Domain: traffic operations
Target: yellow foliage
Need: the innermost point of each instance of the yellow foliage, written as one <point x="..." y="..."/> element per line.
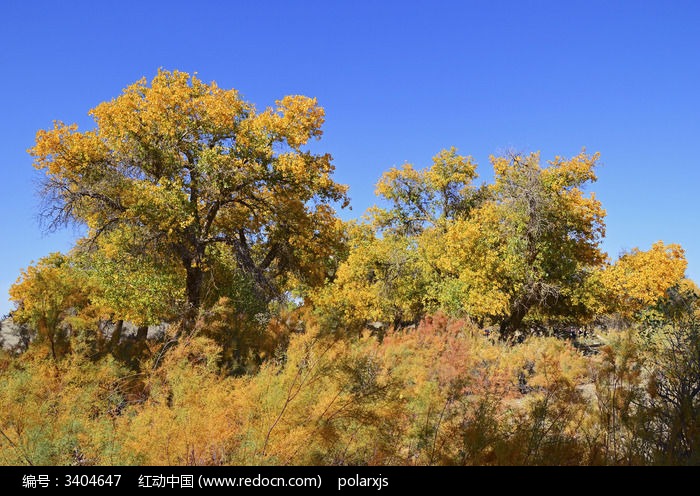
<point x="190" y="417"/>
<point x="381" y="280"/>
<point x="179" y="166"/>
<point x="640" y="278"/>
<point x="58" y="413"/>
<point x="440" y="393"/>
<point x="203" y="209"/>
<point x="55" y="298"/>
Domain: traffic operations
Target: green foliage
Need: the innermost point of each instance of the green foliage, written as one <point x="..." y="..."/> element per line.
<point x="139" y="288"/>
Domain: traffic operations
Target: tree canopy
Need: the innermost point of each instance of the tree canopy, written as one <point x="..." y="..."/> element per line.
<point x="182" y="171"/>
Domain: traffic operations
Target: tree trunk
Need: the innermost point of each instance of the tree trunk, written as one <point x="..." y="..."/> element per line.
<point x="194" y="286"/>
<point x="142" y="334"/>
<point x="45" y="329"/>
<point x="141" y="340"/>
<point x="193" y="283"/>
<point x="116" y="335"/>
<point x="514" y="321"/>
<point x="263" y="287"/>
<point x="53" y="347"/>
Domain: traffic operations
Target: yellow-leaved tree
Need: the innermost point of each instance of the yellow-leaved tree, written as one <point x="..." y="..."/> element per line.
<point x="639" y="279"/>
<point x="182" y="170"/>
<point x="390" y="269"/>
<point x="525" y="245"/>
<point x="531" y="245"/>
<point x="53" y="296"/>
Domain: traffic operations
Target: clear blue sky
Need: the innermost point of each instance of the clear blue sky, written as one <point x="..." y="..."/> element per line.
<point x="399" y="81"/>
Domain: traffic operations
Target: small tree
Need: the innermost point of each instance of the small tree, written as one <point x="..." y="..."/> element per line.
<point x="47" y="295"/>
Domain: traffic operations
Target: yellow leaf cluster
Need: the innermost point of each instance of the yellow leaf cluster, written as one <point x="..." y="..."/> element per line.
<point x="640" y="278"/>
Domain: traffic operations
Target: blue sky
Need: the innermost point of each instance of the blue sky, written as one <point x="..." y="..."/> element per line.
<point x="399" y="81"/>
